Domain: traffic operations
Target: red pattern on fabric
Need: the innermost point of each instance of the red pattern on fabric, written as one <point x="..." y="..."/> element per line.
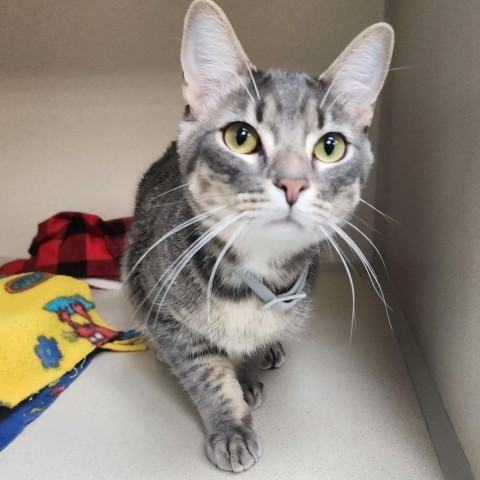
<point x="76" y="244"/>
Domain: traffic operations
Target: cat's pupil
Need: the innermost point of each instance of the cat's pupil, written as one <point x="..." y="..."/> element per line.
<point x="242" y="136"/>
<point x="329" y="145"/>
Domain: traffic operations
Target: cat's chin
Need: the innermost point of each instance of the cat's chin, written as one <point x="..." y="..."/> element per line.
<point x="284" y="229"/>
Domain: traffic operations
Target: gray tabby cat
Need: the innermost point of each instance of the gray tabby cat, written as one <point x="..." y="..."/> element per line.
<point x="224" y="241"/>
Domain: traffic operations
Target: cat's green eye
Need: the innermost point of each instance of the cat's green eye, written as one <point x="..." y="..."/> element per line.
<point x="330" y="148"/>
<point x="241" y="138"/>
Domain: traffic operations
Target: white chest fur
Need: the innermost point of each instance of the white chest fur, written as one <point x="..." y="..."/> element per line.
<point x="241" y="327"/>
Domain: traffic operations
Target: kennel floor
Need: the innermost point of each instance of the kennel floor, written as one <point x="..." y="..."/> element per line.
<point x="334" y="411"/>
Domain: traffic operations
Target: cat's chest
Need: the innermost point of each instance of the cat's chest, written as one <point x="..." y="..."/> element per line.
<point x="240" y="327"/>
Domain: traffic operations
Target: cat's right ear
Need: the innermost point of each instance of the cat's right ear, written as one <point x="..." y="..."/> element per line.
<point x="213" y="60"/>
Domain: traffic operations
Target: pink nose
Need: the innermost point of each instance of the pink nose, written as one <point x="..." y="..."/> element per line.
<point x="292" y="188"/>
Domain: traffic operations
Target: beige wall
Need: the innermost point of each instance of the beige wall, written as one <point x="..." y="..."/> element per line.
<point x="433" y="190"/>
<point x="90" y="92"/>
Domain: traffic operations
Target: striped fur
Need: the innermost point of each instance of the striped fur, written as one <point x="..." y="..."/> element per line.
<point x="215" y="347"/>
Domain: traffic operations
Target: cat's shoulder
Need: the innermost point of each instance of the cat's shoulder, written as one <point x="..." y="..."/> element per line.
<point x="164" y="172"/>
<point x="166" y="163"/>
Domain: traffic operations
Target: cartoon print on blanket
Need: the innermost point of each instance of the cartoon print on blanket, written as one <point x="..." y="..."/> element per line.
<point x="66" y="307"/>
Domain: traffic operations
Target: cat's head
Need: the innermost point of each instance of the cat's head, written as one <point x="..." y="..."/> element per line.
<point x="288" y="149"/>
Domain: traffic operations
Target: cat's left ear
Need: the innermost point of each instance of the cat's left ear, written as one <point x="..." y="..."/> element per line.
<point x="213" y="61"/>
<point x="356" y="77"/>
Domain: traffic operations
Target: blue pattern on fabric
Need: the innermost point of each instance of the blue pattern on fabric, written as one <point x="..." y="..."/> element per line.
<point x="129" y="334"/>
<point x="13" y="421"/>
<point x="65" y="303"/>
<point x="47" y="351"/>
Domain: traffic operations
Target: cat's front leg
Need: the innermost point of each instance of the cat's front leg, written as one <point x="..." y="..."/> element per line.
<point x="212" y="383"/>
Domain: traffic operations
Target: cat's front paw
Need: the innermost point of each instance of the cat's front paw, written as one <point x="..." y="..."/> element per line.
<point x="274" y="357"/>
<point x="235" y="448"/>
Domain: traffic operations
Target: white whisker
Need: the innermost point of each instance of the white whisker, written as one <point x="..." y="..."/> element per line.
<point x="335" y="100"/>
<point x="172" y="268"/>
<point x="366" y="224"/>
<point x="350" y="264"/>
<point x="317" y="244"/>
<point x="171" y="190"/>
<point x="222" y="253"/>
<point x="384" y="215"/>
<point x="246" y="89"/>
<point x="368" y="268"/>
<point x="330" y="252"/>
<point x="253" y="79"/>
<point x="408" y="67"/>
<point x="372" y="244"/>
<point x="356" y="250"/>
<point x="171" y="232"/>
<point x="352" y="287"/>
<point x="188" y="256"/>
<point x="207" y="195"/>
<point x="329" y="88"/>
<point x="167" y="271"/>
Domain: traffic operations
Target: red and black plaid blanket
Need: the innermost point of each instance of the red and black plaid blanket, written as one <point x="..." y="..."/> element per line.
<point x="76" y="244"/>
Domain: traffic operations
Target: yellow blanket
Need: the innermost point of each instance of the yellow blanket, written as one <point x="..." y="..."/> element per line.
<point x="48" y="323"/>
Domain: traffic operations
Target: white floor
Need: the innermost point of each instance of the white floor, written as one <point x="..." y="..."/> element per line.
<point x="330" y="413"/>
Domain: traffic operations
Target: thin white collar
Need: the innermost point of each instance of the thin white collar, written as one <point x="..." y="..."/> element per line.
<point x="278" y="303"/>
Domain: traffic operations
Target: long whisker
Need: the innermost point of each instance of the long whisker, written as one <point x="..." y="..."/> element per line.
<point x="174" y="265"/>
<point x="246" y="88"/>
<point x="330" y="252"/>
<point x="171" y="232"/>
<point x="360" y="219"/>
<point x="317" y="245"/>
<point x="335" y="100"/>
<point x="368" y="268"/>
<point x="318" y="242"/>
<point x="207" y="195"/>
<point x="384" y="215"/>
<point x="350" y="264"/>
<point x="357" y="217"/>
<point x="222" y="253"/>
<point x="253" y="80"/>
<point x="356" y="249"/>
<point x="171" y="190"/>
<point x="172" y="268"/>
<point x="192" y="251"/>
<point x="371" y="243"/>
<point x="157" y="283"/>
<point x="329" y="88"/>
<point x="408" y="67"/>
<point x="352" y="287"/>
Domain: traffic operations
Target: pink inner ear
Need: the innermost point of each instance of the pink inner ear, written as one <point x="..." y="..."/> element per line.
<point x="364" y="115"/>
<point x="191" y="94"/>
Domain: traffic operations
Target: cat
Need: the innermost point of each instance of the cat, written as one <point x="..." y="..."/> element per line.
<point x="223" y="247"/>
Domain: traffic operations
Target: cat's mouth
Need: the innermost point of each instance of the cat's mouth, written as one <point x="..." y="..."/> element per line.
<point x="286" y="227"/>
<point x="284" y="224"/>
<point x="286" y="221"/>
